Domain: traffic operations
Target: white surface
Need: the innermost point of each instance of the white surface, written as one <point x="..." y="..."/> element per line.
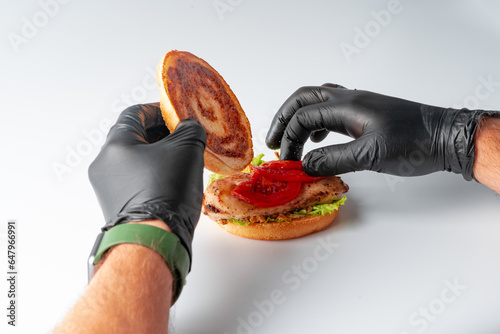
<point x="401" y="242"/>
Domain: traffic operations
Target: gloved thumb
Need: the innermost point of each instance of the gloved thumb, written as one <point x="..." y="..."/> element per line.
<point x="188" y="131"/>
<point x="354" y="156"/>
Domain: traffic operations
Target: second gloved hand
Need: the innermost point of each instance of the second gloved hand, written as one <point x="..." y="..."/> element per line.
<point x="392" y="135"/>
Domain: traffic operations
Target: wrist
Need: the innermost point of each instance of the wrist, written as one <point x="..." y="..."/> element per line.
<point x="130" y="256"/>
<point x="487" y="159"/>
<point x="460" y="156"/>
<point x="154" y="237"/>
<point x="156" y="223"/>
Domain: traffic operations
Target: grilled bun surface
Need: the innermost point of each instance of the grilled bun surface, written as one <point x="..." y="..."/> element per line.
<point x="191" y="88"/>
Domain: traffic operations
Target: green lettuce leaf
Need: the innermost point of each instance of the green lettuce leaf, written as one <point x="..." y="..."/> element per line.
<point x="323" y="209"/>
<point x="237" y="221"/>
<point x="212" y="177"/>
<point x="320" y="209"/>
<point x="257" y="160"/>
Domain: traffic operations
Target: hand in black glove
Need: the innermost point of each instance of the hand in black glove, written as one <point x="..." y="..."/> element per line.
<point x="392" y="135"/>
<point x="144" y="173"/>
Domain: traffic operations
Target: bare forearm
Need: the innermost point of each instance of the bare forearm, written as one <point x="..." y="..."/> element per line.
<point x="487" y="161"/>
<point x="130" y="293"/>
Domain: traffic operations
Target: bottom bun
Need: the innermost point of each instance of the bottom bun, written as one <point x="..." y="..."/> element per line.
<point x="298" y="227"/>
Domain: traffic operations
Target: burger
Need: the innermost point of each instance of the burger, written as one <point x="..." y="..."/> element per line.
<point x="248" y="197"/>
<point x="273" y="200"/>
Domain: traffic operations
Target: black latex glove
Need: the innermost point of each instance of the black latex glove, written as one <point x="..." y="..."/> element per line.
<point x="392" y="135"/>
<point x="144" y="173"/>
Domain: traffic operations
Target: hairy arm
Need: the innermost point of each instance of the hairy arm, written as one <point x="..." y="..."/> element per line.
<point x="130" y="293"/>
<point x="487" y="162"/>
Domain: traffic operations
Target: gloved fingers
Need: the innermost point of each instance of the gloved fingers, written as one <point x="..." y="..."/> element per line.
<point x="332" y="85"/>
<point x="157" y="133"/>
<point x="359" y="154"/>
<point x="134" y="122"/>
<point x="302" y="97"/>
<point x="188" y="132"/>
<point x="319" y="135"/>
<point x="317" y="118"/>
<point x="303" y="124"/>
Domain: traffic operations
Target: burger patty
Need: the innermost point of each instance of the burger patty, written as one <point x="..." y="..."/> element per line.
<point x="219" y="204"/>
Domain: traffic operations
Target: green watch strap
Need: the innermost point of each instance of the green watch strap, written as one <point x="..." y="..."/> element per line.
<point x="167" y="244"/>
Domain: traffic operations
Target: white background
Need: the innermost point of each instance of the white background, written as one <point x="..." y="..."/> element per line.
<point x="69" y="68"/>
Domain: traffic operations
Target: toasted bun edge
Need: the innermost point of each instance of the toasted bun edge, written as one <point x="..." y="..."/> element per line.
<point x="296" y="228"/>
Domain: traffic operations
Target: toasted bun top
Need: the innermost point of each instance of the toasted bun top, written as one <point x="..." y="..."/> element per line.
<point x="191" y="88"/>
